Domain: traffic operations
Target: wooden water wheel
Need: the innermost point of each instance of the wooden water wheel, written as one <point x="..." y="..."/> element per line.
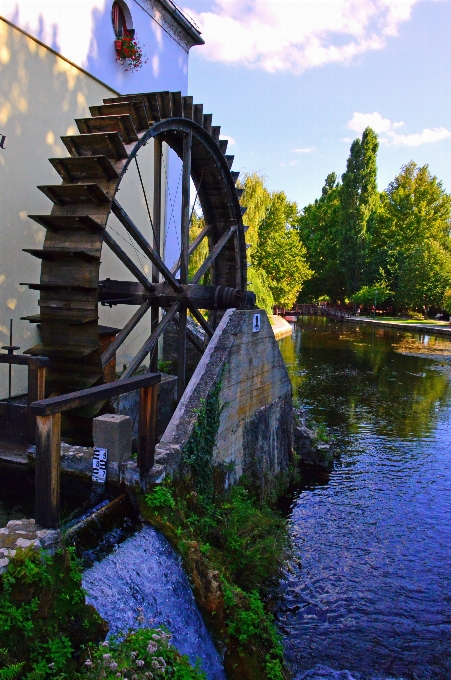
<point x="79" y="225"/>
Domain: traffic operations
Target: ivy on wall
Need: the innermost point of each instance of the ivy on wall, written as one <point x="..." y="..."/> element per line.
<point x="198" y="451"/>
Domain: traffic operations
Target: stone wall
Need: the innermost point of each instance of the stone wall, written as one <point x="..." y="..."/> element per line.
<point x="255" y="433"/>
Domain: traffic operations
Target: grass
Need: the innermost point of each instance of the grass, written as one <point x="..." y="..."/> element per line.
<point x="394" y="319"/>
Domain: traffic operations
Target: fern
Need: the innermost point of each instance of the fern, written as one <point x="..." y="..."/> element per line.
<point x="10" y="672"/>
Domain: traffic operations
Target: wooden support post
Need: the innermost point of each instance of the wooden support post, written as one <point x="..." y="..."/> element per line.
<point x="36" y="391"/>
<point x="184" y="259"/>
<point x="48" y="453"/>
<point x="147" y="431"/>
<point x="181" y="363"/>
<point x="155" y="310"/>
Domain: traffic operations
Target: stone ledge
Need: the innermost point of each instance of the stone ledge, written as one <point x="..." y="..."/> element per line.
<point x="25" y="533"/>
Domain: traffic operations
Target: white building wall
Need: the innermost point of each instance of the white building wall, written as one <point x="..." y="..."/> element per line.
<point x="40" y="96"/>
<point x="82" y="31"/>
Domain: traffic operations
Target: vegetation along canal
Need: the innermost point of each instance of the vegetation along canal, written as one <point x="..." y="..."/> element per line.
<point x="373" y="594"/>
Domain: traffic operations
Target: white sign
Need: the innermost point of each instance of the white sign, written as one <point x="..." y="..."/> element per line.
<point x="256" y="323"/>
<point x="99" y="462"/>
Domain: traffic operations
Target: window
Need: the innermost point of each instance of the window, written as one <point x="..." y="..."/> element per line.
<point x="119" y="20"/>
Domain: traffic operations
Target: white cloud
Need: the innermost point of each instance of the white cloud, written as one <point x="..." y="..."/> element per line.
<point x="295" y="35"/>
<point x="360" y="121"/>
<point x="384" y="126"/>
<point x="307" y="149"/>
<point x="417" y="138"/>
<point x="230" y="140"/>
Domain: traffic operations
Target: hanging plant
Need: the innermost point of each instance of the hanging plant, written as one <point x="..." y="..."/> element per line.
<point x="129" y="52"/>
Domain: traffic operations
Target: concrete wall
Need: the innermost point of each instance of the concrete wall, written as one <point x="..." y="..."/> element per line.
<point x="255" y="425"/>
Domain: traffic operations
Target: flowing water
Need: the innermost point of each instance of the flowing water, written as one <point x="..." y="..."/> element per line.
<point x="368" y="592"/>
<point x="142" y="582"/>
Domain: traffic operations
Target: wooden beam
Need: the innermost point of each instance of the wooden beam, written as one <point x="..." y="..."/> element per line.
<point x="145" y="246"/>
<point x="147" y="428"/>
<point x="155" y="311"/>
<point x="124" y="333"/>
<point x="181" y="363"/>
<point x="197" y="241"/>
<point x="150" y="342"/>
<point x="36" y="391"/>
<point x="157" y="194"/>
<point x="48" y="455"/>
<point x="186" y="180"/>
<point x="125" y="259"/>
<point x="200" y="319"/>
<point x="214" y="254"/>
<point x="23" y="360"/>
<point x="92" y="395"/>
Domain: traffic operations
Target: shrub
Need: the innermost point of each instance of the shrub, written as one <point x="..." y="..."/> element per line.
<point x="44" y="621"/>
<point x="145" y="653"/>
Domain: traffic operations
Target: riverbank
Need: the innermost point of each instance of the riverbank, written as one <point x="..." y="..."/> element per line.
<point x="414" y="326"/>
<point x="280" y="326"/>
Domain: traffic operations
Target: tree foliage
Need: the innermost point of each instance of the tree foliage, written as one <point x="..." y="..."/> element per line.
<point x="277" y="257"/>
<point x="397" y="241"/>
<point x="358" y="198"/>
<point x="319" y="228"/>
<point x="280" y="252"/>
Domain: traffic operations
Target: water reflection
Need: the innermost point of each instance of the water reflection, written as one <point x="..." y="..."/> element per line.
<point x="356" y="374"/>
<point x="373" y="595"/>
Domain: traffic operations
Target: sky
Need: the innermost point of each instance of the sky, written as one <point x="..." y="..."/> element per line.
<point x="293" y="82"/>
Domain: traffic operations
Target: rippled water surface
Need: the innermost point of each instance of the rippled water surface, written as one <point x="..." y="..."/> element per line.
<point x="372" y="598"/>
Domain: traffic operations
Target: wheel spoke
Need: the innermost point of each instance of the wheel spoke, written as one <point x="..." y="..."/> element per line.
<point x="192" y="337"/>
<point x="200" y="319"/>
<point x="213" y="254"/>
<point x="150" y="342"/>
<point x="126" y="260"/>
<point x="124" y="333"/>
<point x="197" y="241"/>
<point x="145" y="246"/>
<point x="147" y="202"/>
<point x="186" y="179"/>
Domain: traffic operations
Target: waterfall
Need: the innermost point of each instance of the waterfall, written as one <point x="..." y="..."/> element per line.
<point x="145" y="575"/>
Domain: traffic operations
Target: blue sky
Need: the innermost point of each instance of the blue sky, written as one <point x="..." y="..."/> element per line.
<point x="292" y="82"/>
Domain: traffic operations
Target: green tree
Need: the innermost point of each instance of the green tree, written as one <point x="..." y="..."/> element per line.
<point x="424" y="277"/>
<point x="319" y="230"/>
<point x="280" y="252"/>
<point x="257" y="281"/>
<point x="415" y="236"/>
<point x="256" y="199"/>
<point x="359" y="202"/>
<point x="368" y="295"/>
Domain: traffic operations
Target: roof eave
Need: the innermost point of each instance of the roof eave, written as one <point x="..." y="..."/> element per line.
<point x="184" y="22"/>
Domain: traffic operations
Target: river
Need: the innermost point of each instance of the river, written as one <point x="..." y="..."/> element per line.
<point x="368" y="592"/>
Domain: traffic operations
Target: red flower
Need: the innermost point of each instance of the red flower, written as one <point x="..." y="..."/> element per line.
<point x="129" y="53"/>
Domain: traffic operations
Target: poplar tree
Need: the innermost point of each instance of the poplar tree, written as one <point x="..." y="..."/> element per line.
<point x="359" y="200"/>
